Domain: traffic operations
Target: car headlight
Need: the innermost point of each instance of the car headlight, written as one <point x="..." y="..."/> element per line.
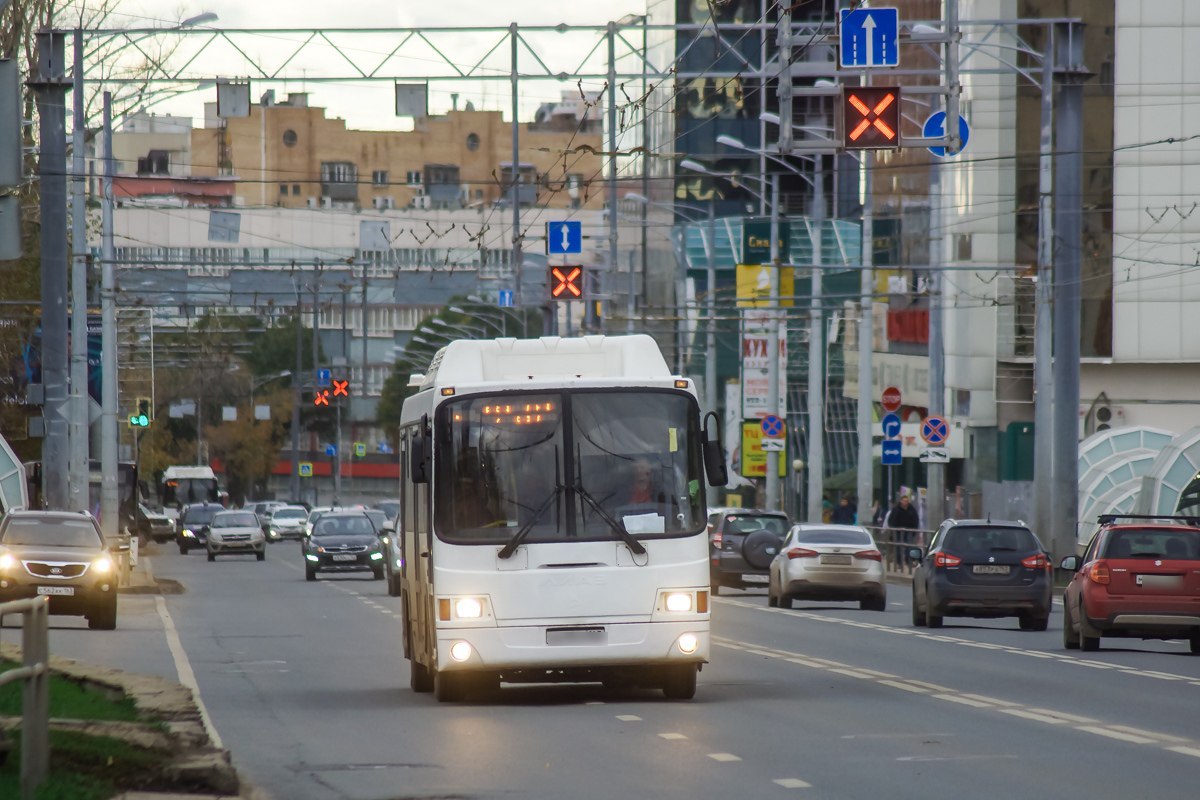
<point x="377" y="556"/>
<point x="189" y="532"/>
<point x="102" y="565"/>
<point x="7" y="562"/>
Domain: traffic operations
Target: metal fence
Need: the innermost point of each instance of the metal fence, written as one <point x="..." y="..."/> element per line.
<point x="895" y="544"/>
<point x="35" y="671"/>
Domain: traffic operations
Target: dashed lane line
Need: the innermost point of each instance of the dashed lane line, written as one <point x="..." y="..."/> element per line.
<point x="672" y="737"/>
<point x="1134" y="736"/>
<point x="724" y="757"/>
<point x="792" y="783"/>
<point x="1062" y="658"/>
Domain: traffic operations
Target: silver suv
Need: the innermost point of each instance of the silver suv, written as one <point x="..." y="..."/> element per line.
<point x="60" y="555"/>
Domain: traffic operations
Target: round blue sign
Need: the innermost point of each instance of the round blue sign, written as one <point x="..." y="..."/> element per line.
<point x="891" y="426"/>
<point x="772" y="426"/>
<point x="936" y="126"/>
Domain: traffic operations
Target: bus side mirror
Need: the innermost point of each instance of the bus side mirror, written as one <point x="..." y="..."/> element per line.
<point x="420" y="453"/>
<point x="714" y="454"/>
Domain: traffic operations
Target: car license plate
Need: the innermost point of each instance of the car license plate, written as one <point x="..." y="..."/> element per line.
<point x="58" y="591"/>
<point x="345" y="557"/>
<point x="835" y="559"/>
<point x="756" y="579"/>
<point x="990" y="569"/>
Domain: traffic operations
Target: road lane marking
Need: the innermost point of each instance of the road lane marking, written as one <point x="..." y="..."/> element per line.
<point x="724" y="757"/>
<point x="792" y="783"/>
<point x="1118" y="735"/>
<point x="629" y="718"/>
<point x="908" y="687"/>
<point x="1187" y="751"/>
<point x="1036" y="716"/>
<point x="671" y="736"/>
<point x="964" y="700"/>
<point x="184" y="669"/>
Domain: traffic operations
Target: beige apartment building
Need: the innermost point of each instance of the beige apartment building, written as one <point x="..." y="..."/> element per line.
<point x="290" y="154"/>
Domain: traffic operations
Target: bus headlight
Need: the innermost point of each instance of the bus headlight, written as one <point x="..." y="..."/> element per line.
<point x="688" y="643"/>
<point x="468" y="608"/>
<point x="460" y="651"/>
<point x="679" y="602"/>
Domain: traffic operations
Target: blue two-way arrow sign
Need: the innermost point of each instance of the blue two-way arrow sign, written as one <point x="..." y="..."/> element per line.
<point x="564" y="237"/>
<point x="869" y="37"/>
<point x="891" y="453"/>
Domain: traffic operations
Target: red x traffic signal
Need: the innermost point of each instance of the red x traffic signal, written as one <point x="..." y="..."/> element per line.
<point x="321" y="398"/>
<point x="871" y="117"/>
<point x="341" y="388"/>
<point x="566" y="283"/>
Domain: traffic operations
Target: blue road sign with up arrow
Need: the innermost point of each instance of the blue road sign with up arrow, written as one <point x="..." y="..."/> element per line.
<point x="504" y="298"/>
<point x="891" y="453"/>
<point x="936" y="126"/>
<point x="324" y="377"/>
<point x="869" y="37"/>
<point x="891" y="426"/>
<point x="564" y="237"/>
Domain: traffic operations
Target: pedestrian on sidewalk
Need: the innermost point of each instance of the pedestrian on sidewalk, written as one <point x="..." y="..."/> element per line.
<point x="904" y="520"/>
<point x="845" y="512"/>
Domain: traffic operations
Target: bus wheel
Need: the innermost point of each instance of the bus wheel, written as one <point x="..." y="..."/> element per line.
<point x="680" y="682"/>
<point x="418" y="678"/>
<point x="448" y="687"/>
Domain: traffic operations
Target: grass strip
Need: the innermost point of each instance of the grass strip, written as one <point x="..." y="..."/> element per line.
<point x="86" y="767"/>
<point x="69" y="700"/>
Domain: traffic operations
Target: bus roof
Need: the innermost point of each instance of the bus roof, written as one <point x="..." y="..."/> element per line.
<point x="474" y="361"/>
<point x="188" y="473"/>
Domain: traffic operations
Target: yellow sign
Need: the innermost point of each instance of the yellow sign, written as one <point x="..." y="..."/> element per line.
<point x="754" y="285"/>
<point x="305" y="469"/>
<point x="754" y="459"/>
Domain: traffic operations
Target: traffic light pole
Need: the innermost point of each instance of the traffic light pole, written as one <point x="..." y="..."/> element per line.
<point x="78" y="484"/>
<point x="109" y="501"/>
<point x="866" y="328"/>
<point x="773" y="376"/>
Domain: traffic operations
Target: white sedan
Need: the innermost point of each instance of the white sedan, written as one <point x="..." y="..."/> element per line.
<point x="236" y="532"/>
<point x="828" y="562"/>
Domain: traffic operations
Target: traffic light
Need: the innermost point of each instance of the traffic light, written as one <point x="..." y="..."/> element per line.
<point x="871" y="117"/>
<point x="321" y="398"/>
<point x="341" y="388"/>
<point x="566" y="283"/>
<point x="142" y="418"/>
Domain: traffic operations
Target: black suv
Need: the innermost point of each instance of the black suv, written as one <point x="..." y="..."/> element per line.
<point x="192" y="527"/>
<point x="742" y="543"/>
<point x="60" y="555"/>
<point x="982" y="568"/>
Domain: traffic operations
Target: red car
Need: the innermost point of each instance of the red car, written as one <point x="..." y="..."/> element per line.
<point x="1139" y="578"/>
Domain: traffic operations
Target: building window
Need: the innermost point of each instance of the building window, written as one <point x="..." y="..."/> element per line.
<point x="339" y="180"/>
<point x="413" y="177"/>
<point x="295" y="190"/>
<point x="283" y="189"/>
<point x="472" y="141"/>
<point x="289" y="138"/>
<point x="379" y="177"/>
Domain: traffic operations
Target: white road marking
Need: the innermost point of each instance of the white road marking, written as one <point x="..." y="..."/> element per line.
<point x="792" y="783"/>
<point x="184" y="668"/>
<point x="963" y="700"/>
<point x="671" y="736"/>
<point x="724" y="757"/>
<point x="629" y="718"/>
<point x="1118" y="735"/>
<point x="908" y="687"/>
<point x="1187" y="751"/>
<point x="1034" y="715"/>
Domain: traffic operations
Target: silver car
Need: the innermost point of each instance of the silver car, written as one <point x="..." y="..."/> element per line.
<point x="287" y="523"/>
<point x="236" y="532"/>
<point x="828" y="562"/>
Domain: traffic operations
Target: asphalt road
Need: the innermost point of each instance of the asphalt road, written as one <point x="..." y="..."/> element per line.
<point x="305" y="684"/>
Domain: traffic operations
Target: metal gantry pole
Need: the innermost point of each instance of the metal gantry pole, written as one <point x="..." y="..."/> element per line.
<point x="294" y="479"/>
<point x="601" y="284"/>
<point x="109" y="500"/>
<point x="516" y="174"/>
<point x="935" y="474"/>
<point x="50" y="87"/>
<point x="1068" y="233"/>
<point x="866" y="327"/>
<point x="710" y="343"/>
<point x="78" y="481"/>
<point x="816" y="353"/>
<point x="1043" y="372"/>
<point x="773" y="376"/>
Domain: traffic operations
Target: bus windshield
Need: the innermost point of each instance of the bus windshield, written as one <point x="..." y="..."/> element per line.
<point x="569" y="466"/>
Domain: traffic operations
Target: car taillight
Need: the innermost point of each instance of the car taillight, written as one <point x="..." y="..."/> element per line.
<point x="869" y="555"/>
<point x="1036" y="562"/>
<point x="946" y="560"/>
<point x="801" y="552"/>
<point x="1098" y="573"/>
<point x="717" y="539"/>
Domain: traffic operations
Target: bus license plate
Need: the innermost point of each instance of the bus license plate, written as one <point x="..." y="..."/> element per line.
<point x="345" y="557"/>
<point x="58" y="591"/>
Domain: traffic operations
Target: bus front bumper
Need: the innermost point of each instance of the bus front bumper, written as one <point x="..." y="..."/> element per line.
<point x="562" y="647"/>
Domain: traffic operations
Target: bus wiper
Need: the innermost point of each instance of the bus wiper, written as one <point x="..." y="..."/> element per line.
<point x="617" y="527"/>
<point x="519" y="536"/>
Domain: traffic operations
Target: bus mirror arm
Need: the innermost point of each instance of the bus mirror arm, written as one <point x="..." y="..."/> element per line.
<point x="714" y="454"/>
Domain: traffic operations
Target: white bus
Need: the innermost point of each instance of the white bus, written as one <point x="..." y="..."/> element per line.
<point x="553" y="517"/>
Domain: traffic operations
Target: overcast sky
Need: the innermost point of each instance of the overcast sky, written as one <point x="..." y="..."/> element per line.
<point x="371" y="105"/>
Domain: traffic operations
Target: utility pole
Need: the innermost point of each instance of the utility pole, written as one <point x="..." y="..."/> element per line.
<point x="710" y="343"/>
<point x="109" y="500"/>
<point x="773" y="376"/>
<point x="50" y="85"/>
<point x="603" y="285"/>
<point x="816" y="352"/>
<point x="1068" y="230"/>
<point x="297" y="371"/>
<point x="78" y="482"/>
<point x="866" y="335"/>
<point x="1043" y="355"/>
<point x="516" y="174"/>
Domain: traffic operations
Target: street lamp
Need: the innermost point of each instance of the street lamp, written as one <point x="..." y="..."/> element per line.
<point x="501" y="329"/>
<point x="263" y="382"/>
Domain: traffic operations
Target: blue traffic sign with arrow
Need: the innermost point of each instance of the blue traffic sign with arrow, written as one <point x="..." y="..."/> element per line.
<point x="891" y="453"/>
<point x="891" y="426"/>
<point x="936" y="126"/>
<point x="564" y="237"/>
<point x="869" y="37"/>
